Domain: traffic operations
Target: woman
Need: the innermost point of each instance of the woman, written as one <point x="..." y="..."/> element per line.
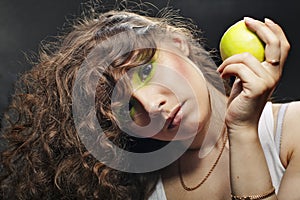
<point x="132" y="107"/>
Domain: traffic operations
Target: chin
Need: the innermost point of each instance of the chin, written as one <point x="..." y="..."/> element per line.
<point x="177" y="134"/>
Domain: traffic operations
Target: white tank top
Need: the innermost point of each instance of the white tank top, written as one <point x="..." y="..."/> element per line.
<point x="270" y="145"/>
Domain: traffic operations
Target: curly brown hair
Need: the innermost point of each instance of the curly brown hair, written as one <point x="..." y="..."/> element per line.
<point x="45" y="158"/>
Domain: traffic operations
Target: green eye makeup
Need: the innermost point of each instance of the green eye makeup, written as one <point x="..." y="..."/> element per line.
<point x="143" y="74"/>
<point x="132" y="109"/>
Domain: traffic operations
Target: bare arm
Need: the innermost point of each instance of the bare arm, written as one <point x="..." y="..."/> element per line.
<point x="290" y="153"/>
<point x="255" y="83"/>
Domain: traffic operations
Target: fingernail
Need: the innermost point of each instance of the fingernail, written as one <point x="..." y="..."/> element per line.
<point x="219" y="69"/>
<point x="267" y="20"/>
<point x="248" y="19"/>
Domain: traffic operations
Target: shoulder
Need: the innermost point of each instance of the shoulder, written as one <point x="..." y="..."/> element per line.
<point x="290" y="131"/>
<point x="293" y="115"/>
<point x="290" y="152"/>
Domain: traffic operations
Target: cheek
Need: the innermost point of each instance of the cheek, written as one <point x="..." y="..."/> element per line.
<point x="182" y="68"/>
<point x="192" y="74"/>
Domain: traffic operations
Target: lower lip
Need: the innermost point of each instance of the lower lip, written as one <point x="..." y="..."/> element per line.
<point x="177" y="119"/>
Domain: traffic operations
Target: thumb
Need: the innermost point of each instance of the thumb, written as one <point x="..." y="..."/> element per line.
<point x="237" y="88"/>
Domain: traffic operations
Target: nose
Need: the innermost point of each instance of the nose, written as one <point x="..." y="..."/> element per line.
<point x="152" y="100"/>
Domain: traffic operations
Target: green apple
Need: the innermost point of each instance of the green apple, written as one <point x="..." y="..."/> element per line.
<point x="239" y="39"/>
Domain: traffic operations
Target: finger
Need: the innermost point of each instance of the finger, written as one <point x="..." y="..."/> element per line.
<point x="272" y="49"/>
<point x="285" y="45"/>
<point x="248" y="84"/>
<point x="252" y="85"/>
<point x="238" y="70"/>
<point x="237" y="87"/>
<point x="247" y="60"/>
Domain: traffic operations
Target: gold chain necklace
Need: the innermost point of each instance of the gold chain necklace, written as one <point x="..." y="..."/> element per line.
<point x="207" y="175"/>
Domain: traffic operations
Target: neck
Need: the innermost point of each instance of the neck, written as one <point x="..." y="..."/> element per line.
<point x="208" y="136"/>
<point x="210" y="133"/>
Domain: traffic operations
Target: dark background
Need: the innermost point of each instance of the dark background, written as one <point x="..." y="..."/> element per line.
<point x="24" y="24"/>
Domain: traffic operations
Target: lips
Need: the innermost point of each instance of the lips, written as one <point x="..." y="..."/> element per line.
<point x="174" y="117"/>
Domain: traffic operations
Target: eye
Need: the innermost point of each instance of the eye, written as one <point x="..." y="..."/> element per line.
<point x="132" y="109"/>
<point x="145" y="72"/>
<point x="138" y="113"/>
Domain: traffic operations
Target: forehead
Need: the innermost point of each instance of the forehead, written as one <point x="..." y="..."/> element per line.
<point x="170" y="57"/>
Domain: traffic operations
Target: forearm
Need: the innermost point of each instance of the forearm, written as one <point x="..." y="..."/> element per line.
<point x="249" y="171"/>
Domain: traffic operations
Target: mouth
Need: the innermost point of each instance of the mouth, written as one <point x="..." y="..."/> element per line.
<point x="174" y="117"/>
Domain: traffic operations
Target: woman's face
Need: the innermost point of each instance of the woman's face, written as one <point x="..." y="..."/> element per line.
<point x="170" y="100"/>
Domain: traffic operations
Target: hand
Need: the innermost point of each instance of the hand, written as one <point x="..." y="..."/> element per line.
<point x="255" y="81"/>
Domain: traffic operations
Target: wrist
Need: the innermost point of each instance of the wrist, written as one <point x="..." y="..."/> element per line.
<point x="264" y="195"/>
<point x="243" y="135"/>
